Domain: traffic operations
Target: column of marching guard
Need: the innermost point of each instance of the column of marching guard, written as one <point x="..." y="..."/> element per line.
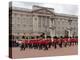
<point x="45" y="44"/>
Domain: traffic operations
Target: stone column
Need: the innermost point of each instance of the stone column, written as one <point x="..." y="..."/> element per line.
<point x="52" y="28"/>
<point x="35" y="24"/>
<point x="69" y="33"/>
<point x="50" y="23"/>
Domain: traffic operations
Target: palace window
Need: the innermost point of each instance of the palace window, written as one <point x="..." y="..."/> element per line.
<point x="69" y="21"/>
<point x="18" y="24"/>
<point x="24" y="25"/>
<point x="35" y="18"/>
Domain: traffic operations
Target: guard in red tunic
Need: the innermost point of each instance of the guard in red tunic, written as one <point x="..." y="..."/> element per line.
<point x="22" y="45"/>
<point x="60" y="42"/>
<point x="40" y="44"/>
<point x="49" y="42"/>
<point x="55" y="42"/>
<point x="30" y="44"/>
<point x="70" y="41"/>
<point x="76" y="41"/>
<point x="45" y="43"/>
<point x="65" y="42"/>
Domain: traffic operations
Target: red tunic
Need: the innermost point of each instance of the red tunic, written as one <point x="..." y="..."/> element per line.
<point x="65" y="40"/>
<point x="55" y="40"/>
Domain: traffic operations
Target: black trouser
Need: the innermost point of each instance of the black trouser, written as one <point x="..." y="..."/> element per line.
<point x="22" y="47"/>
<point x="45" y="47"/>
<point x="30" y="45"/>
<point x="55" y="45"/>
<point x="65" y="44"/>
<point x="26" y="45"/>
<point x="35" y="46"/>
<point x="40" y="46"/>
<point x="70" y="43"/>
<point x="49" y="44"/>
<point x="76" y="43"/>
<point x="60" y="45"/>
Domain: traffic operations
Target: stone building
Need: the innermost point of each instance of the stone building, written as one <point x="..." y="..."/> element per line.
<point x="38" y="20"/>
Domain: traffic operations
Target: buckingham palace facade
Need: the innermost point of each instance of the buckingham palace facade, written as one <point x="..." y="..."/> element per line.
<point x="40" y="20"/>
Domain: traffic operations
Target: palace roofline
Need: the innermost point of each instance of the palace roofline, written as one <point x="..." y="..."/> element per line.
<point x="30" y="10"/>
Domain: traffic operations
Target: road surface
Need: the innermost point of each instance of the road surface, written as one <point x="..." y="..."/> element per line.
<point x="28" y="53"/>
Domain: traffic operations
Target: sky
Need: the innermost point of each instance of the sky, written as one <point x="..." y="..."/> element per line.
<point x="58" y="8"/>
